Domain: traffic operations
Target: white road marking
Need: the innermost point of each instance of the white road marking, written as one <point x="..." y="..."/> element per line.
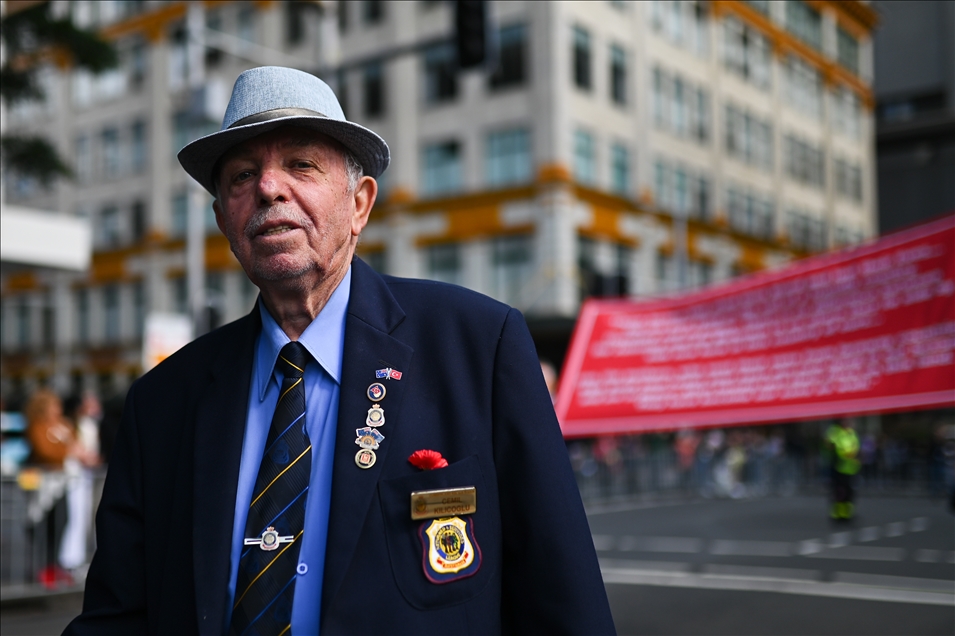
<point x="869" y="534"/>
<point x="614" y="574"/>
<point x="861" y="553"/>
<point x="896" y="582"/>
<point x="669" y="567"/>
<point x="785" y="574"/>
<point x="808" y="547"/>
<point x="918" y="524"/>
<point x="839" y="539"/>
<point x="751" y="548"/>
<point x="896" y="529"/>
<point x="603" y="542"/>
<point x="928" y="556"/>
<point x="688" y="545"/>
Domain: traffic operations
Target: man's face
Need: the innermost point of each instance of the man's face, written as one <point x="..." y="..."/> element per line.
<point x="286" y="207"/>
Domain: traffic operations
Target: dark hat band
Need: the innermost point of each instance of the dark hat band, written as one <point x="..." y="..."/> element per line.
<point x="276" y="113"/>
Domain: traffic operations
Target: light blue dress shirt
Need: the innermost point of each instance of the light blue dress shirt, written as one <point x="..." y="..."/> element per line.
<point x="325" y="340"/>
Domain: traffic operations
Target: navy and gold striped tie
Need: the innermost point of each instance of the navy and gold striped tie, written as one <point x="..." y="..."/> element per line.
<point x="273" y="531"/>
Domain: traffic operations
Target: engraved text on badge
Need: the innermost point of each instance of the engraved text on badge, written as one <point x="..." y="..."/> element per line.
<point x="431" y="504"/>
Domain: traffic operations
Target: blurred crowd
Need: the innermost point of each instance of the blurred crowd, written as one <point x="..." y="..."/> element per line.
<point x="758" y="461"/>
<point x="52" y="452"/>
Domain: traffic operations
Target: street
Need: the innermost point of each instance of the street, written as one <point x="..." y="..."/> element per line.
<point x="760" y="566"/>
<point x="778" y="566"/>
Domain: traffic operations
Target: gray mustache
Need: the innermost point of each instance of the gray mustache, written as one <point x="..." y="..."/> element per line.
<point x="270" y="215"/>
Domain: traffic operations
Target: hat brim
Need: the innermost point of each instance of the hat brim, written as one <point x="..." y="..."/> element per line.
<point x="199" y="157"/>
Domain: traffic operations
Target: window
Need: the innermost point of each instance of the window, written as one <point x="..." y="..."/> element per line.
<point x="373" y="81"/>
<point x="342" y="16"/>
<point x="680" y="107"/>
<point x="749" y="138"/>
<point x="682" y="190"/>
<point x="138" y="218"/>
<point x="582" y="58"/>
<point x="747" y="53"/>
<point x="136" y="62"/>
<point x="846" y="113"/>
<point x="84" y="164"/>
<point x="604" y="268"/>
<point x="618" y="75"/>
<point x="246" y="23"/>
<point x="510" y="267"/>
<point x="806" y="231"/>
<point x="180" y="295"/>
<point x="180" y="214"/>
<point x="620" y="169"/>
<point x="661" y="91"/>
<point x="685" y="24"/>
<point x="373" y="11"/>
<point x="700" y="115"/>
<point x="847" y="236"/>
<point x="442" y="171"/>
<point x="760" y="5"/>
<point x="109" y="231"/>
<point x="805" y="163"/>
<point x="750" y="213"/>
<point x="213" y="23"/>
<point x="848" y="179"/>
<point x="24" y="320"/>
<point x="82" y="315"/>
<point x="139" y="308"/>
<point x="512" y="57"/>
<point x="847" y="50"/>
<point x="508" y="158"/>
<point x="138" y="149"/>
<point x="444" y="263"/>
<point x="109" y="140"/>
<point x="440" y="74"/>
<point x="804" y="22"/>
<point x="111" y="312"/>
<point x="803" y="87"/>
<point x="584" y="161"/>
<point x="295" y="22"/>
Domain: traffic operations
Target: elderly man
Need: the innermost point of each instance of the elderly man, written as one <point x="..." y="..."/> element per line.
<point x="360" y="454"/>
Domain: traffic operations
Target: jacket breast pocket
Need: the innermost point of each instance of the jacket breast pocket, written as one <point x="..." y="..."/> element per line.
<point x="409" y="541"/>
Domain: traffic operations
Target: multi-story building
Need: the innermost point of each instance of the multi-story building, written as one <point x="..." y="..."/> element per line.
<point x="614" y="148"/>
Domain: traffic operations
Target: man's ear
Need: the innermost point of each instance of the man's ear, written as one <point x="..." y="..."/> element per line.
<point x="365" y="194"/>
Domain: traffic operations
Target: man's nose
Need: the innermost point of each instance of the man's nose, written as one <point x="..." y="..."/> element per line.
<point x="272" y="186"/>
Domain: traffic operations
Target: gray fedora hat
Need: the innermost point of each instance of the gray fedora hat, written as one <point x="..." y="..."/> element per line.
<point x="268" y="97"/>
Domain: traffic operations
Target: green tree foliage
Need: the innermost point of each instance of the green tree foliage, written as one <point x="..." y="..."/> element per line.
<point x="27" y="35"/>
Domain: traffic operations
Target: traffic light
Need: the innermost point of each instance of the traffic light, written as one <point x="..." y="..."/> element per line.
<point x="470" y="22"/>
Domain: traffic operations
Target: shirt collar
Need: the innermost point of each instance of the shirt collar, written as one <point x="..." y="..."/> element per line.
<point x="324" y="338"/>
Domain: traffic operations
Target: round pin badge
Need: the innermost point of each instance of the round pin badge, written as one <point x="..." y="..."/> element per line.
<point x="365" y="458"/>
<point x="376" y="391"/>
<point x="270" y="539"/>
<point x="376" y="416"/>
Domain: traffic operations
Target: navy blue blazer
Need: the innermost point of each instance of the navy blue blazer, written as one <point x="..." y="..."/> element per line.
<point x="471" y="388"/>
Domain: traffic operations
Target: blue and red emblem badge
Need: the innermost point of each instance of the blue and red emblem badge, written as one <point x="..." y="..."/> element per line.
<point x="450" y="550"/>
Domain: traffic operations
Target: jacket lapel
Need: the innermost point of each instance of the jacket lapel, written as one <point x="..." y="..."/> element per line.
<point x="373" y="314"/>
<point x="220" y="429"/>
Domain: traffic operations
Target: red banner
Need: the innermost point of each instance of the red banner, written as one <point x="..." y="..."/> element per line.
<point x="868" y="329"/>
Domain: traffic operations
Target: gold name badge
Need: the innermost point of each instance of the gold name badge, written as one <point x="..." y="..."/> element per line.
<point x="432" y="504"/>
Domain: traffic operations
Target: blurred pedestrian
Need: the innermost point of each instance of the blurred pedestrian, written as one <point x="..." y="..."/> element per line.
<point x="52" y="441"/>
<point x="84" y="413"/>
<point x="843" y="445"/>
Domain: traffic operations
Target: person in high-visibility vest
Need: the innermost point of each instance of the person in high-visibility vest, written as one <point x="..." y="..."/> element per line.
<point x="844" y="446"/>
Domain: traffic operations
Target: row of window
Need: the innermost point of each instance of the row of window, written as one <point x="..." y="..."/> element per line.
<point x="114" y="153"/>
<point x="680" y="107"/>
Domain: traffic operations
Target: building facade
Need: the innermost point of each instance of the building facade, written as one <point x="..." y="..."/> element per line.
<point x="612" y="149"/>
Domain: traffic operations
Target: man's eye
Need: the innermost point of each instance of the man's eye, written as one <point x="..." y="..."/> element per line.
<point x="242" y="176"/>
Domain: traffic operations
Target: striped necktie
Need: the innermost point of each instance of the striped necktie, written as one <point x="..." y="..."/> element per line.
<point x="273" y="532"/>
